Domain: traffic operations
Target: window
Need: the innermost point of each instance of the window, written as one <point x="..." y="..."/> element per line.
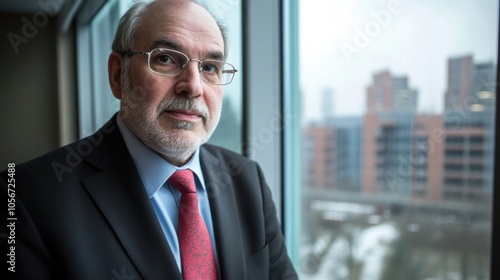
<point x="229" y="131"/>
<point x="407" y="88"/>
<point x="96" y="24"/>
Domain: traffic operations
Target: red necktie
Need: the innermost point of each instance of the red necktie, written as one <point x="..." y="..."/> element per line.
<point x="196" y="249"/>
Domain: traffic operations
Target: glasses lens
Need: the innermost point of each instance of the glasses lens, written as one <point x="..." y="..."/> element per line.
<point x="172" y="63"/>
<point x="167" y="62"/>
<point x="217" y="72"/>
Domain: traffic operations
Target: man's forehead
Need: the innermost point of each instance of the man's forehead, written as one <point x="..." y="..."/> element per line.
<point x="179" y="13"/>
<point x="176" y="26"/>
<point x="206" y="52"/>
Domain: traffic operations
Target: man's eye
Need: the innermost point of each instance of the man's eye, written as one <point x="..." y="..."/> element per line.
<point x="164" y="58"/>
<point x="210" y="68"/>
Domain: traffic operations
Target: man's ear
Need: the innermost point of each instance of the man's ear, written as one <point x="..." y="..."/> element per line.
<point x="115" y="74"/>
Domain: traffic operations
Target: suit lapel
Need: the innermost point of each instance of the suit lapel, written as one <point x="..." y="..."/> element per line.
<point x="227" y="230"/>
<point x="118" y="192"/>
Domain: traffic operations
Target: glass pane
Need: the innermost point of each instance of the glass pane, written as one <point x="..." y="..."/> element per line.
<point x="96" y="102"/>
<point x="397" y="138"/>
<point x="229" y="131"/>
<point x="102" y="30"/>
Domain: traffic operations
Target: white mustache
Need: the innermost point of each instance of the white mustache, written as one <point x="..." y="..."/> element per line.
<point x="181" y="103"/>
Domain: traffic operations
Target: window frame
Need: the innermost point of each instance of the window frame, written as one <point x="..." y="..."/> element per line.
<point x="262" y="90"/>
<point x="495" y="242"/>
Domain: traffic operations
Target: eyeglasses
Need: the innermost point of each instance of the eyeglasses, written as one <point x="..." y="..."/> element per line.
<point x="171" y="63"/>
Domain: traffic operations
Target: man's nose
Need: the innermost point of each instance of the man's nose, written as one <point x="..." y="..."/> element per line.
<point x="190" y="81"/>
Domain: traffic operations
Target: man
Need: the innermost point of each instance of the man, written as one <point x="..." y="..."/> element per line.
<point x="109" y="207"/>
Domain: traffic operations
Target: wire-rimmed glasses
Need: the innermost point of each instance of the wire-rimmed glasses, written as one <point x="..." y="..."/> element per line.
<point x="169" y="62"/>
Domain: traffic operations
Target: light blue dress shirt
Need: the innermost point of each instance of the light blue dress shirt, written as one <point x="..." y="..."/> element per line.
<point x="154" y="172"/>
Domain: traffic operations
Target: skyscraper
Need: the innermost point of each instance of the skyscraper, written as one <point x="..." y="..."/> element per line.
<point x="469" y="126"/>
<point x="390" y="94"/>
<point x="389" y="137"/>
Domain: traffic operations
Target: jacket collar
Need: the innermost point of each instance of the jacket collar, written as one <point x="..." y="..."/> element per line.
<point x="220" y="186"/>
<point x="118" y="192"/>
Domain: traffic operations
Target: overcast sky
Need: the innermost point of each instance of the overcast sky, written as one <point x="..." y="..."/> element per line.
<point x="413" y="38"/>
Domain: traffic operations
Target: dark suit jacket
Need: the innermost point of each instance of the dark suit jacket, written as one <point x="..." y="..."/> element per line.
<point x="82" y="213"/>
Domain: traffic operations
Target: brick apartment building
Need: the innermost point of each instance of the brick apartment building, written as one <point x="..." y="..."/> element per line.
<point x="396" y="151"/>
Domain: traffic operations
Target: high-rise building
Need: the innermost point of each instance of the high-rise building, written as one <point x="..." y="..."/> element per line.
<point x="403" y="154"/>
<point x="484" y="87"/>
<point x="397" y="142"/>
<point x="469" y="128"/>
<point x="348" y="148"/>
<point x="390" y="94"/>
<point x="470" y="87"/>
<point x="427" y="157"/>
<point x="318" y="155"/>
<point x="396" y="151"/>
<point x="332" y="154"/>
<point x="460" y="77"/>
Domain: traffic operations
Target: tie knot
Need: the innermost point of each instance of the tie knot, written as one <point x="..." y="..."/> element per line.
<point x="183" y="180"/>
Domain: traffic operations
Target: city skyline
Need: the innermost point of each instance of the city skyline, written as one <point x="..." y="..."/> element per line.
<point x="413" y="39"/>
<point x="394" y="148"/>
<point x="421" y="177"/>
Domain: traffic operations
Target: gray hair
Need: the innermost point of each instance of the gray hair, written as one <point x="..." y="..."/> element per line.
<point x="130" y="21"/>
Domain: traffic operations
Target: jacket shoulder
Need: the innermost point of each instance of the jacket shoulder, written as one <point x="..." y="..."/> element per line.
<point x="64" y="160"/>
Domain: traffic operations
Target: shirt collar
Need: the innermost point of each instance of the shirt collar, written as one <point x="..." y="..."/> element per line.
<point x="153" y="169"/>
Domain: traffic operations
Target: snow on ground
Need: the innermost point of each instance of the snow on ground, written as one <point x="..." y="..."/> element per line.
<point x="371" y="246"/>
<point x="374" y="245"/>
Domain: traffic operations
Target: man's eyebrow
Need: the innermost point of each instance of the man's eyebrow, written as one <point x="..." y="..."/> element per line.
<point x="169" y="44"/>
<point x="166" y="43"/>
<point x="214" y="55"/>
